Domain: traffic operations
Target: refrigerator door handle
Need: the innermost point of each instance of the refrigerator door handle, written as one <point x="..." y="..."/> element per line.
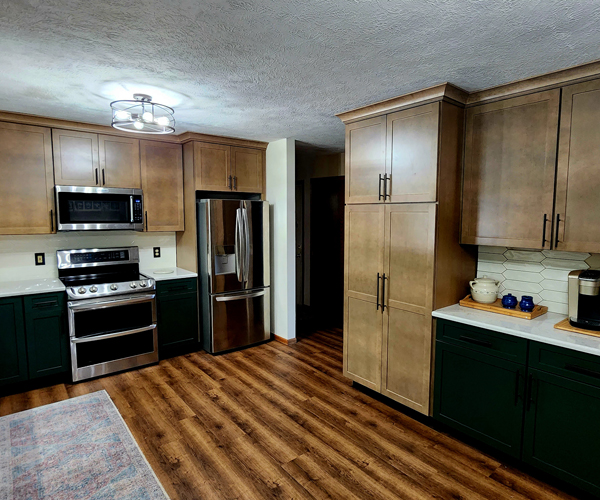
<point x="246" y="259"/>
<point x="240" y="296"/>
<point x="238" y="244"/>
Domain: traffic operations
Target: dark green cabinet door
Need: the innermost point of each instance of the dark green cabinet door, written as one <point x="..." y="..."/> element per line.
<point x="47" y="334"/>
<point x="480" y="395"/>
<point x="177" y="323"/>
<point x="562" y="429"/>
<point x="13" y="351"/>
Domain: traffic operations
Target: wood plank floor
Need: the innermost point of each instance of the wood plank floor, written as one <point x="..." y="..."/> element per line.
<point x="278" y="421"/>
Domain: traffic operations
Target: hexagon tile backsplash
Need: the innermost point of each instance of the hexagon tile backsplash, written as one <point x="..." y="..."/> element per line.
<point x="541" y="274"/>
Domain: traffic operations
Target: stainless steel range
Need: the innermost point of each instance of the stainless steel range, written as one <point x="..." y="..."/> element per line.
<point x="111" y="310"/>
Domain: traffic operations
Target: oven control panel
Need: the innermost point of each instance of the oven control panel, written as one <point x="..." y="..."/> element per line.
<point x="107" y="289"/>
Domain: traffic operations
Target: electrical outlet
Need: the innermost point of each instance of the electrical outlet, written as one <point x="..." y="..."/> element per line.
<point x="40" y="259"/>
<point x="156" y="252"/>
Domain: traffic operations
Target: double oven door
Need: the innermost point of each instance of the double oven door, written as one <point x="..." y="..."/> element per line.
<point x="112" y="334"/>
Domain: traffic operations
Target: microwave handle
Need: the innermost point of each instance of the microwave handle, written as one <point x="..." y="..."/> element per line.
<point x="131" y="207"/>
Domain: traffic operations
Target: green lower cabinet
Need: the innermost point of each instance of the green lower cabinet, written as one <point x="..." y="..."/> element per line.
<point x="13" y="350"/>
<point x="562" y="429"/>
<point x="46" y="334"/>
<point x="177" y="304"/>
<point x="480" y="395"/>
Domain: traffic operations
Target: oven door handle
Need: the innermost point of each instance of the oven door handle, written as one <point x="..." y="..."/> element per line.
<point x="99" y="304"/>
<point x="92" y="338"/>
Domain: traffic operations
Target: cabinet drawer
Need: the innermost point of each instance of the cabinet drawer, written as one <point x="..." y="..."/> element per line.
<point x="45" y="302"/>
<point x="485" y="341"/>
<point x="567" y="363"/>
<point x="176" y="287"/>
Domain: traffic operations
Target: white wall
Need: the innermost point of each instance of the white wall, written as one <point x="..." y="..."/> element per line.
<point x="280" y="194"/>
<point x="17" y="260"/>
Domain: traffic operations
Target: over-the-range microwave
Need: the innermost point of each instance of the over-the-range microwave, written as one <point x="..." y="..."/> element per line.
<point x="96" y="208"/>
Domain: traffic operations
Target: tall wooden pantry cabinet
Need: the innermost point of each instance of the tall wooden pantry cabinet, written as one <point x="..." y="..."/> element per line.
<point x="402" y="252"/>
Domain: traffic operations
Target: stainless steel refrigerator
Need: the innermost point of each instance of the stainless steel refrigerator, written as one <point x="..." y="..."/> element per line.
<point x="234" y="273"/>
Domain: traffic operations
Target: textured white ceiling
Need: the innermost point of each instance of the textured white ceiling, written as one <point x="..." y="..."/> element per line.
<point x="267" y="69"/>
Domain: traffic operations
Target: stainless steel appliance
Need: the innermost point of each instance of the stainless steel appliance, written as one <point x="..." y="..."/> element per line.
<point x="584" y="299"/>
<point x="111" y="310"/>
<point x="234" y="273"/>
<point x="97" y="208"/>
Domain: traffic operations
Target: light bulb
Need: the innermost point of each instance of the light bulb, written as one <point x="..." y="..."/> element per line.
<point x="147" y="116"/>
<point x="163" y="120"/>
<point x="138" y="124"/>
<point x="122" y="115"/>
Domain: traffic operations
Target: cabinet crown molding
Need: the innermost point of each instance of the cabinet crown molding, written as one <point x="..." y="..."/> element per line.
<point x="445" y="91"/>
<point x="452" y="93"/>
<point x="182" y="138"/>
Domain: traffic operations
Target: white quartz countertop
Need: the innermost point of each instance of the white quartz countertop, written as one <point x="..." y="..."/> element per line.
<point x="30" y="287"/>
<point x="168" y="273"/>
<point x="540" y="329"/>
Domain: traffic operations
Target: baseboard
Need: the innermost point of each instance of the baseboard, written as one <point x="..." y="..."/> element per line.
<point x="284" y="341"/>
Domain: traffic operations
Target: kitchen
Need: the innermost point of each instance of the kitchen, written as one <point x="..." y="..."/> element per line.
<point x="147" y="292"/>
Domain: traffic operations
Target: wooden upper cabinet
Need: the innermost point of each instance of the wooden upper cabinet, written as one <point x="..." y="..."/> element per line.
<point x="162" y="183"/>
<point x="362" y="314"/>
<point x="510" y="158"/>
<point x="76" y="160"/>
<point x="365" y="160"/>
<point x="212" y="170"/>
<point x="119" y="162"/>
<point x="247" y="169"/>
<point x="26" y="185"/>
<point x="412" y="154"/>
<point x="407" y="333"/>
<point x="578" y="175"/>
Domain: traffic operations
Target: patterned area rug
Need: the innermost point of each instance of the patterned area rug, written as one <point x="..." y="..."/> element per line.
<point x="79" y="448"/>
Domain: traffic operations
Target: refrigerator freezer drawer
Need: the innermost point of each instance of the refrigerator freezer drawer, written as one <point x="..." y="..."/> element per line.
<point x="239" y="320"/>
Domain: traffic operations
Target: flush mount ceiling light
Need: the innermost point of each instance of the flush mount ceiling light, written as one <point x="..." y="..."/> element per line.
<point x="143" y="116"/>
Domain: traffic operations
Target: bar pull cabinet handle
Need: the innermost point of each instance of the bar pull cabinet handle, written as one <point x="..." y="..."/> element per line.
<point x="582" y="371"/>
<point x="146" y="213"/>
<point x="378" y="278"/>
<point x="530" y="392"/>
<point x="483" y="343"/>
<point x="47" y="303"/>
<point x="517" y="384"/>
<point x="383" y="292"/>
<point x="96" y="177"/>
<point x="380" y="179"/>
<point x="556" y="242"/>
<point x="235" y="182"/>
<point x="544" y="231"/>
<point x="229" y="182"/>
<point x="103" y="178"/>
<point x="51" y="221"/>
<point x="386" y="178"/>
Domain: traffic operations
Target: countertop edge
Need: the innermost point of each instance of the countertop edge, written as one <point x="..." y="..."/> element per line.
<point x="178" y="274"/>
<point x="529" y="336"/>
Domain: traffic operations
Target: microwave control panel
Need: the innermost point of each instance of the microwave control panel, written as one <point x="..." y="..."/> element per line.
<point x="138" y="215"/>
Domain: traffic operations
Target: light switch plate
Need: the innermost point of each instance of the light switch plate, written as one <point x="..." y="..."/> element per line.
<point x="156" y="252"/>
<point x="40" y="259"/>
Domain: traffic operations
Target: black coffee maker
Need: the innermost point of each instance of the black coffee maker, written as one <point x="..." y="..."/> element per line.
<point x="584" y="299"/>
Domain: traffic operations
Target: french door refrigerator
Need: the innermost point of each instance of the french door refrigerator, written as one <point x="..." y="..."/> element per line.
<point x="234" y="273"/>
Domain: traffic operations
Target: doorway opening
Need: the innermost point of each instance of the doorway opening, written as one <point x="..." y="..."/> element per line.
<point x="320" y="198"/>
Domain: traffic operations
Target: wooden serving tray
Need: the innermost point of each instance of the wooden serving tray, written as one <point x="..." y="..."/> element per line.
<point x="565" y="325"/>
<point x="496" y="307"/>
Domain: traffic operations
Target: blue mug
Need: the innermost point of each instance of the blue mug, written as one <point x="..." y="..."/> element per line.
<point x="526" y="303"/>
<point x="509" y="301"/>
